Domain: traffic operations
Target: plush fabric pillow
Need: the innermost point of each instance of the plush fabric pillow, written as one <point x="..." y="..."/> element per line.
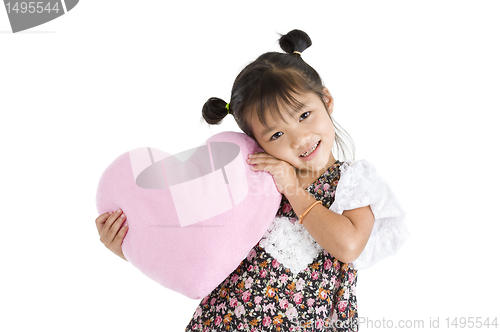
<point x="193" y="217"/>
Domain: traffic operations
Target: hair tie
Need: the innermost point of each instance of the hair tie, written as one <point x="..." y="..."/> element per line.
<point x="297" y="52"/>
<point x="227" y="107"/>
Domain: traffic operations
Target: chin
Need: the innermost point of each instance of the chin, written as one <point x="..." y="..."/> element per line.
<point x="314" y="167"/>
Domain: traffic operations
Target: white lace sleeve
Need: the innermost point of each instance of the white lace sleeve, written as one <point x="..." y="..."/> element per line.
<point x="360" y="185"/>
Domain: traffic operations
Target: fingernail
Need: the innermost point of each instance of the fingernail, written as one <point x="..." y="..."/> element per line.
<point x="125" y="224"/>
<point x="122" y="216"/>
<point x="119" y="211"/>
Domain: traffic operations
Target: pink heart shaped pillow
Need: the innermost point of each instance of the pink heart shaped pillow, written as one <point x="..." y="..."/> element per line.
<point x="192" y="217"/>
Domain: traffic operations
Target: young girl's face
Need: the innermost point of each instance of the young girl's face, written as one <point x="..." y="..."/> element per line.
<point x="305" y="140"/>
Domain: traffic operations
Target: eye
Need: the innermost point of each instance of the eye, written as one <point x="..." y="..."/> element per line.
<point x="304" y="115"/>
<point x="276" y="135"/>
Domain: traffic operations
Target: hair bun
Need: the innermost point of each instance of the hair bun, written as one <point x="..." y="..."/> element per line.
<point x="214" y="110"/>
<point x="295" y="40"/>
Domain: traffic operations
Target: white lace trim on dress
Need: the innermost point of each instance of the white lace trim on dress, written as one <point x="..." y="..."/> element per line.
<point x="291" y="244"/>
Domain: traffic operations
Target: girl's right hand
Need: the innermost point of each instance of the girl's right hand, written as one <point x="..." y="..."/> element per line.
<point x="111" y="231"/>
<point x="284" y="174"/>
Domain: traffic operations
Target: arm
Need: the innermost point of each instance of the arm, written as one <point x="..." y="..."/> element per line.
<point x="344" y="235"/>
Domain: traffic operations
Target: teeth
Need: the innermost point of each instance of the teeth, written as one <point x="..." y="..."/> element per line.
<point x="310" y="151"/>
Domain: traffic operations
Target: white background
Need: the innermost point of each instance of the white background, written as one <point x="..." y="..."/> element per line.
<point x="416" y="84"/>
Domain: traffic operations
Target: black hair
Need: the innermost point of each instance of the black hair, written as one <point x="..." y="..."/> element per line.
<point x="269" y="82"/>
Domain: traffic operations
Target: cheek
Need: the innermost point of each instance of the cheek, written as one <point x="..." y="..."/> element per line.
<point x="331" y="135"/>
<point x="276" y="152"/>
<point x="279" y="150"/>
<point x="328" y="129"/>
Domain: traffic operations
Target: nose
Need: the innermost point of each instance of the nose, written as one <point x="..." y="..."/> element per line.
<point x="300" y="139"/>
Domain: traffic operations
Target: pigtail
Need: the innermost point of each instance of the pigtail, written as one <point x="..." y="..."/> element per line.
<point x="295" y="41"/>
<point x="214" y="110"/>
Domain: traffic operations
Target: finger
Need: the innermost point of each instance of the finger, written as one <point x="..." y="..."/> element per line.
<point x="99" y="222"/>
<point x="266" y="161"/>
<point x="260" y="155"/>
<point x="258" y="166"/>
<point x="263" y="160"/>
<point x="110" y="222"/>
<point x="121" y="235"/>
<point x="270" y="168"/>
<point x="116" y="227"/>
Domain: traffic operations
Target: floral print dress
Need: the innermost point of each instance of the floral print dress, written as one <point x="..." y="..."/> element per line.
<point x="262" y="294"/>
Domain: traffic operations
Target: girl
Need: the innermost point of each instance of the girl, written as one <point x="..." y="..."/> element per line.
<point x="300" y="276"/>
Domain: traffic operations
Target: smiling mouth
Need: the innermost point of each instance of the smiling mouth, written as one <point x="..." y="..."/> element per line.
<point x="305" y="154"/>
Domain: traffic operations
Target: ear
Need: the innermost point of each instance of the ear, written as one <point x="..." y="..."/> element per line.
<point x="328" y="99"/>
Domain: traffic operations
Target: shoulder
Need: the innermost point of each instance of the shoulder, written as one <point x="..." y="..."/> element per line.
<point x="359" y="185"/>
<point x="358" y="168"/>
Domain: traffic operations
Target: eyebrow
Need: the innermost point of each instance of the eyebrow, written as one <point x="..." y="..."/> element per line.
<point x="267" y="131"/>
<point x="270" y="129"/>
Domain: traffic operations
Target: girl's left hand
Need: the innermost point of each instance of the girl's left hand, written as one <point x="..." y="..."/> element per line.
<point x="284" y="174"/>
<point x="112" y="229"/>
